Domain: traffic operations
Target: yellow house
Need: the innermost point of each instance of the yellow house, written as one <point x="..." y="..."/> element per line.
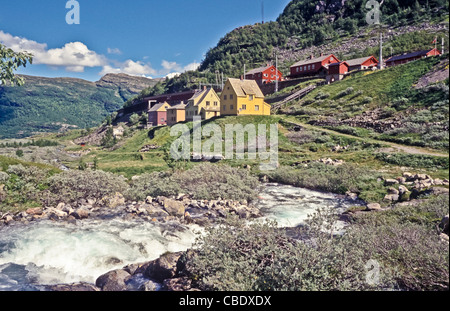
<point x="176" y="114"/>
<point x="243" y="97"/>
<point x="205" y="103"/>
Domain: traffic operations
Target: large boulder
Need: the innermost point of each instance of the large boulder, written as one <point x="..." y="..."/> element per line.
<point x="113" y="281"/>
<point x="174" y="208"/>
<point x="165" y="267"/>
<point x="113" y="201"/>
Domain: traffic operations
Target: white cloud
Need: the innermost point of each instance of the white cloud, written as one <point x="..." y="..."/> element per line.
<point x="130" y="67"/>
<point x="74" y="56"/>
<point x="114" y="51"/>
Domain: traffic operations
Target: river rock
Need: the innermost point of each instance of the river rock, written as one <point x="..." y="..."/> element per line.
<point x="391" y="197"/>
<point x="182" y="284"/>
<point x="113" y="281"/>
<point x="113" y="201"/>
<point x="80" y="214"/>
<point x="76" y="287"/>
<point x="165" y="267"/>
<point x="373" y="207"/>
<point x="34" y="211"/>
<point x="174" y="208"/>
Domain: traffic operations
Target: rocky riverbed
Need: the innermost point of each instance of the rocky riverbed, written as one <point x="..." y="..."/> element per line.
<point x="113" y="244"/>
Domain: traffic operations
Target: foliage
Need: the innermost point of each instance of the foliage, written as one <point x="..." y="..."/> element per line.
<point x="336" y="179"/>
<point x="11" y="61"/>
<point x="260" y="257"/>
<point x="204" y="181"/>
<point x="414" y="160"/>
<point x="71" y="186"/>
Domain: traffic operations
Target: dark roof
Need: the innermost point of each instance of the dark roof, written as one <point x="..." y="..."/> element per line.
<point x="409" y="55"/>
<point x="338" y="64"/>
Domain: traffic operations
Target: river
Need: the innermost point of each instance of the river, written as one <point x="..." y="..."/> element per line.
<point x="47" y="252"/>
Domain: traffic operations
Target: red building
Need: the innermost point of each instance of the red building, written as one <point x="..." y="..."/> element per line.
<point x="337" y="71"/>
<point x="363" y="63"/>
<point x="313" y="66"/>
<point x="264" y="75"/>
<point x="409" y="57"/>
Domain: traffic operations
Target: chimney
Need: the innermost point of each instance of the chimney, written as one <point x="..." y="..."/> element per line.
<point x="204" y="87"/>
<point x="311" y="56"/>
<point x="321" y="54"/>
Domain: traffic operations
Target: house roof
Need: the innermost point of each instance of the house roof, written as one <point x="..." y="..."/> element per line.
<point x="158" y="106"/>
<point x="358" y="61"/>
<point x="409" y="55"/>
<point x="258" y="70"/>
<point x="245" y="87"/>
<point x="312" y="61"/>
<point x="179" y="106"/>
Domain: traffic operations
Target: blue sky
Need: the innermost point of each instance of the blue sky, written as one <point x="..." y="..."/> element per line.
<point x="142" y="37"/>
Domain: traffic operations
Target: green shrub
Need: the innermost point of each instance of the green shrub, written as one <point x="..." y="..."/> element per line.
<point x="71" y="186"/>
<point x="404" y="242"/>
<point x="204" y="181"/>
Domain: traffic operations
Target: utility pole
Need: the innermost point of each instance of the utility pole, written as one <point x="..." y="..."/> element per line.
<point x="442" y="48"/>
<point x="380" y="65"/>
<point x="276" y="72"/>
<point x="244" y="72"/>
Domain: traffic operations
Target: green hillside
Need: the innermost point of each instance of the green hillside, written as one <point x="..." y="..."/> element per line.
<point x="385" y="104"/>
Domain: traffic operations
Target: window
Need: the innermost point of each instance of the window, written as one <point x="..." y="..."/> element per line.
<point x="231" y="96"/>
<point x="266" y="75"/>
<point x="231" y="107"/>
<point x="304" y="68"/>
<point x="256" y="107"/>
<point x="272" y="70"/>
<point x="250" y="97"/>
<point x="312" y="66"/>
<point x="309" y="67"/>
<point x="301" y="68"/>
<point x="271" y="76"/>
<point x="208" y="103"/>
<point x="224" y="107"/>
<point x="163" y="120"/>
<point x="225" y="97"/>
<point x="215" y="104"/>
<point x="244" y="107"/>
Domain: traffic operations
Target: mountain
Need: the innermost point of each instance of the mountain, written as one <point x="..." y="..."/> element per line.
<point x="308" y="27"/>
<point x="52" y="104"/>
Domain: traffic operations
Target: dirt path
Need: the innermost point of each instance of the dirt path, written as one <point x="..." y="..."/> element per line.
<point x="391" y="147"/>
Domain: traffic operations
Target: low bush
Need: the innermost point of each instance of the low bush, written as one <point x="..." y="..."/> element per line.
<point x="204" y="181"/>
<point x="71" y="186"/>
<point x="336" y="179"/>
<point x="386" y="250"/>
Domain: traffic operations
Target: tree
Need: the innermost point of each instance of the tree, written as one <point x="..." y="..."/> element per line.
<point x="9" y="62"/>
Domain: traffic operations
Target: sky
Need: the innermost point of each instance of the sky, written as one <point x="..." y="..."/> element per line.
<point x="139" y="37"/>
